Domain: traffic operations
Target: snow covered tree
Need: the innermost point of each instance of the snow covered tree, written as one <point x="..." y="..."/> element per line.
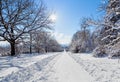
<point x="82" y="41"/>
<point x="44" y="42"/>
<point x="54" y="46"/>
<point x="40" y="41"/>
<point x="110" y="33"/>
<point x="75" y="43"/>
<point x="18" y="17"/>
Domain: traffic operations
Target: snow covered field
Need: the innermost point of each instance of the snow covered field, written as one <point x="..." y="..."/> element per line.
<point x="11" y="65"/>
<point x="59" y="67"/>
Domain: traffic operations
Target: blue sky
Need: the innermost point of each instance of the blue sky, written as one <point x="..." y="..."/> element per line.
<point x="69" y="13"/>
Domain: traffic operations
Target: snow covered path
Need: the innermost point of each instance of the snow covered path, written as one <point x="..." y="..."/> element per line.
<point x="67" y="70"/>
<point x="55" y="68"/>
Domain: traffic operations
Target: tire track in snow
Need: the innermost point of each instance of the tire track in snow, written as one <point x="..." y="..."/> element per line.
<point x="67" y="70"/>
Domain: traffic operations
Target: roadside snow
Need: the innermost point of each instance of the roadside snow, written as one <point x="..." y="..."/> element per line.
<point x="101" y="69"/>
<point x="29" y="74"/>
<point x="9" y="65"/>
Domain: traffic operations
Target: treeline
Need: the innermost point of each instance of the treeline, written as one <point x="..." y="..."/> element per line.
<point x="81" y="41"/>
<point x="105" y="39"/>
<point x="24" y="24"/>
<point x="34" y="42"/>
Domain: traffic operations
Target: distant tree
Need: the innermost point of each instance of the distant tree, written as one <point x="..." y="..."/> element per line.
<point x="82" y="40"/>
<point x="40" y="39"/>
<point x="75" y="43"/>
<point x="44" y="42"/>
<point x="80" y="43"/>
<point x="18" y="17"/>
<point x="84" y="26"/>
<point x="54" y="46"/>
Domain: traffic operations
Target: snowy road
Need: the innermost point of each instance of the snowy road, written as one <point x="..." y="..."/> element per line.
<point x="67" y="70"/>
<point x="57" y="68"/>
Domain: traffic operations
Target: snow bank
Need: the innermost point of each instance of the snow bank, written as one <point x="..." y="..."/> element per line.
<point x="102" y="69"/>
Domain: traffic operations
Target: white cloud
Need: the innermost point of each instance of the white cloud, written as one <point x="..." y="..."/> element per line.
<point x="62" y="38"/>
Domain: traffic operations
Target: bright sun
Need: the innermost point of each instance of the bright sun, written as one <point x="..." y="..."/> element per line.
<point x="53" y="17"/>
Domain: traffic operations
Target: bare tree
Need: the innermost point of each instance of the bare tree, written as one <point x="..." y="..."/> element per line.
<point x="41" y="39"/>
<point x="18" y="17"/>
<point x="54" y="46"/>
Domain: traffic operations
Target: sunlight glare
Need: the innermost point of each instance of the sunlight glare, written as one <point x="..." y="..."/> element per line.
<point x="53" y="17"/>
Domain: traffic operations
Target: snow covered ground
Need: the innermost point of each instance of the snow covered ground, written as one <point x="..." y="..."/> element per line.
<point x="55" y="67"/>
<point x="10" y="65"/>
<point x="59" y="67"/>
<point x="101" y="69"/>
<point x="67" y="70"/>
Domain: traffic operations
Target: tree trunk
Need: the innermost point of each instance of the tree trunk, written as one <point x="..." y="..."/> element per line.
<point x="46" y="49"/>
<point x="38" y="50"/>
<point x="30" y="49"/>
<point x="12" y="44"/>
<point x="30" y="43"/>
